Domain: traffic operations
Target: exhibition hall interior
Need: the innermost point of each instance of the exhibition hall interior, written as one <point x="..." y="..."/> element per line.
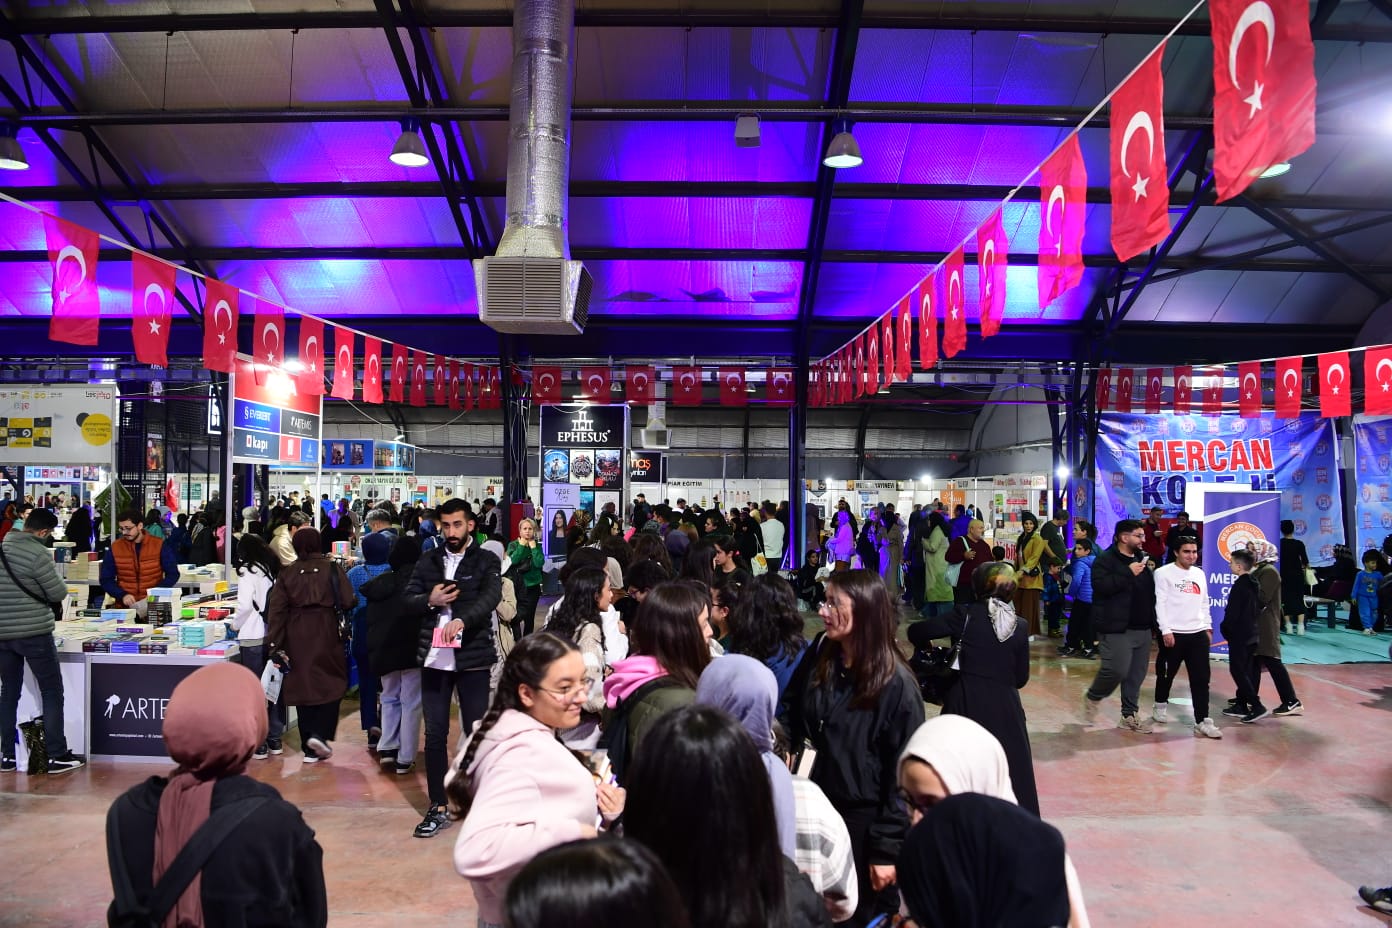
<point x="828" y="295"/>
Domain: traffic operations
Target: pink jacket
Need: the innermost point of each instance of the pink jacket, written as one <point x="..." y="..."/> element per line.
<point x="628" y="675"/>
<point x="530" y="793"/>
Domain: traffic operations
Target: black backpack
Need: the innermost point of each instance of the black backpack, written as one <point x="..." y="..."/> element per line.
<point x="615" y="737"/>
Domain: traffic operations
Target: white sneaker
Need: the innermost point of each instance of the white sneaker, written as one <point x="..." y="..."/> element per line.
<point x="1090" y="709"/>
<point x="1160" y="712"/>
<point x="1207" y="729"/>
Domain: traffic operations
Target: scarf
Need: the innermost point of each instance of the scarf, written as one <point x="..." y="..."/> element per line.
<point x="965" y="756"/>
<point x="215" y="718"/>
<point x="748" y="690"/>
<point x="1003" y="618"/>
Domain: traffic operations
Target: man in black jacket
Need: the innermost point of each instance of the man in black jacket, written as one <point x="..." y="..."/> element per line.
<point x="455" y="587"/>
<point x="1123" y="614"/>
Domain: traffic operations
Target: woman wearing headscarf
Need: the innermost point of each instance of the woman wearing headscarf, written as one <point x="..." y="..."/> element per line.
<point x="302" y="632"/>
<point x="994" y="661"/>
<point x="980" y="862"/>
<point x="269" y="870"/>
<point x="748" y="690"/>
<point x="1031" y="560"/>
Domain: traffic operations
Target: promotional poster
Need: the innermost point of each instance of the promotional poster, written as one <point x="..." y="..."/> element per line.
<point x="1231" y="519"/>
<point x="1372" y="509"/>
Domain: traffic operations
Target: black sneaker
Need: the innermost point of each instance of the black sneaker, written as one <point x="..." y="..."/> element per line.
<point x="374" y="735"/>
<point x="403" y="769"/>
<point x="1380" y="899"/>
<point x="1090" y="654"/>
<point x="273" y="745"/>
<point x="1256" y="715"/>
<point x="1235" y="702"/>
<point x="436" y="820"/>
<point x="8" y="765"/>
<point x="1066" y="651"/>
<point x="66" y="763"/>
<point x="1290" y="708"/>
<point x="261" y="752"/>
<point x="1236" y="710"/>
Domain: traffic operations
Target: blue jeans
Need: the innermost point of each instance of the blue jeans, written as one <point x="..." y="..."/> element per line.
<point x="254" y="659"/>
<point x="41" y="654"/>
<point x="368" y="684"/>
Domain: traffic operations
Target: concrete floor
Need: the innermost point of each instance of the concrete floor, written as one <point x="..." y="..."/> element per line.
<point x="1277" y="824"/>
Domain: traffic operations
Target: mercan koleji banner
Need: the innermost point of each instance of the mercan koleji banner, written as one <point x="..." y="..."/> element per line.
<point x="1149" y="460"/>
<point x="1373" y="466"/>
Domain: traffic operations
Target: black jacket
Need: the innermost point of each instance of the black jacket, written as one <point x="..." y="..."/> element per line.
<point x="1121" y="600"/>
<point x="480" y="583"/>
<point x="269" y="871"/>
<point x="1239" y="625"/>
<point x="805" y="906"/>
<point x="393" y="630"/>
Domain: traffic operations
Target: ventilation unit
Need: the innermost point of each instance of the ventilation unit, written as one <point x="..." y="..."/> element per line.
<point x="527" y="294"/>
<point x="655" y="436"/>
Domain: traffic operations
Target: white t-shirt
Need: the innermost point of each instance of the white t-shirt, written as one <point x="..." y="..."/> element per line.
<point x="443" y="658"/>
<point x="773" y="533"/>
<point x="1181" y="600"/>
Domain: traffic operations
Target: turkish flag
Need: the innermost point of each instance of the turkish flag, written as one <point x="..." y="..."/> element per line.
<point x="468" y="374"/>
<point x="890" y="371"/>
<point x="1183" y="390"/>
<point x="1104" y="389"/>
<point x="1125" y="379"/>
<point x="927" y="300"/>
<point x="1154" y="389"/>
<point x="871" y="367"/>
<point x="594" y="384"/>
<point x="904" y="363"/>
<point x="268" y="344"/>
<point x="732" y="392"/>
<point x="439" y="383"/>
<point x="1140" y="179"/>
<point x="638" y="385"/>
<point x="152" y="308"/>
<point x="955" y="303"/>
<point x="546" y="385"/>
<point x="418" y="365"/>
<point x="1263" y="89"/>
<point x="454" y="401"/>
<point x="1334" y="393"/>
<point x="814" y="386"/>
<point x="992" y="261"/>
<point x="1213" y="394"/>
<point x="73" y="251"/>
<point x="494" y="387"/>
<point x="343" y="364"/>
<point x="1377" y="386"/>
<point x="309" y="379"/>
<point x="861" y="369"/>
<point x="220" y="327"/>
<point x="372" y="370"/>
<point x="1290" y="382"/>
<point x="1249" y="389"/>
<point x="400" y="373"/>
<point x="686" y="386"/>
<point x="1063" y="200"/>
<point x="778" y="387"/>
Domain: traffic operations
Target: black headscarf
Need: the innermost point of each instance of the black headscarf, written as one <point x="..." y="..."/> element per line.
<point x="980" y="862"/>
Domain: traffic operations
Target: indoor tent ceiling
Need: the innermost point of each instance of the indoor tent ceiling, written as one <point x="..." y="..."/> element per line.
<point x="256" y="135"/>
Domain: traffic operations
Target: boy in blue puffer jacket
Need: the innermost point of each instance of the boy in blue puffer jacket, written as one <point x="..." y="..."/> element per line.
<point x="1081" y="642"/>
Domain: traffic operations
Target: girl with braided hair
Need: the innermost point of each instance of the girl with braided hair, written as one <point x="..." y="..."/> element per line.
<point x="518" y="789"/>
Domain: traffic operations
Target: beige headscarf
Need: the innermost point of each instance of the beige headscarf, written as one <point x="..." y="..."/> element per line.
<point x="967" y="757"/>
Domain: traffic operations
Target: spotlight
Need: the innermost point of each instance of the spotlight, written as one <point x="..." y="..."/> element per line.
<point x="843" y="152"/>
<point x="747" y="131"/>
<point x="1063" y="472"/>
<point x="409" y="150"/>
<point x="1276" y="170"/>
<point x="11" y="155"/>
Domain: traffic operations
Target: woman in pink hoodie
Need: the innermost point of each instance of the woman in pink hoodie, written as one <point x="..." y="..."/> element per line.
<point x="518" y="789"/>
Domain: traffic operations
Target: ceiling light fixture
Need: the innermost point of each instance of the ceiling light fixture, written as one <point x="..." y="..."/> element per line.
<point x="409" y="150"/>
<point x="11" y="155"/>
<point x="747" y="130"/>
<point x="1276" y="170"/>
<point x="843" y="152"/>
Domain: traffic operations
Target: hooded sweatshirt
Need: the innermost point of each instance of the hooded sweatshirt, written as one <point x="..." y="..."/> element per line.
<point x="530" y="794"/>
<point x="748" y="690"/>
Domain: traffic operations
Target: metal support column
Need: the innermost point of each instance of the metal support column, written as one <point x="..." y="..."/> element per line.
<point x="800" y="533"/>
<point x="516" y="409"/>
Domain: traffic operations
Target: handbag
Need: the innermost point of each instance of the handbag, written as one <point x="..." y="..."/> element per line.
<point x="937" y="669"/>
<point x="344" y="616"/>
<point x="954" y="571"/>
<point x="759" y="566"/>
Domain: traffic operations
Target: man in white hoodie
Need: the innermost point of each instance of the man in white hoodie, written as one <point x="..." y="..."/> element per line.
<point x="1186" y="633"/>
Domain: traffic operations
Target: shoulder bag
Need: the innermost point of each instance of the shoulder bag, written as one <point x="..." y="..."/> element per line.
<point x="937" y="669"/>
<point x="344" y="616"/>
<point x="954" y="571"/>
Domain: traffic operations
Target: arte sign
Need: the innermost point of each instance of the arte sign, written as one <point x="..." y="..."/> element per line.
<point x="272" y="422"/>
<point x="645" y="467"/>
<point x="63" y="424"/>
<point x="127" y="699"/>
<point x="1152" y="460"/>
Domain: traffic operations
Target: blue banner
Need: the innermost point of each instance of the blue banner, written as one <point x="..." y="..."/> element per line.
<point x="1373" y="465"/>
<point x="1149" y="460"/>
<point x="1230" y="521"/>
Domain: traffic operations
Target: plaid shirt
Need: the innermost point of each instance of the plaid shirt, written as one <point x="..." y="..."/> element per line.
<point x="824" y="850"/>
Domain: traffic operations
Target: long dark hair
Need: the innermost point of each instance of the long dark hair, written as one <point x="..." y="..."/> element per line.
<point x="728" y="868"/>
<point x="526" y="664"/>
<point x="598" y="883"/>
<point x="649" y="547"/>
<point x="580" y="604"/>
<point x="699" y="563"/>
<point x="253" y="553"/>
<point x="873" y="624"/>
<point x="668" y="628"/>
<point x="765" y="623"/>
<point x="727" y="546"/>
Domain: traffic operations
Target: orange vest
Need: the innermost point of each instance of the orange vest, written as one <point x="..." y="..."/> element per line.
<point x="136" y="577"/>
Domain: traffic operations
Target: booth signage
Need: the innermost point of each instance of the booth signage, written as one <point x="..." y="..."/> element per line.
<point x="71" y="424"/>
<point x="369" y="455"/>
<point x="126" y="705"/>
<point x="645" y="467"/>
<point x="272" y="423"/>
<point x="52" y="474"/>
<point x="586" y="446"/>
<point x="1373" y="465"/>
<point x="1230" y="521"/>
<point x="586" y="426"/>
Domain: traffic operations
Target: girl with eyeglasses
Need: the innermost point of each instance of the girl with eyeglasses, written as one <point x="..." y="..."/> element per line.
<point x="518" y="789"/>
<point x="578" y="619"/>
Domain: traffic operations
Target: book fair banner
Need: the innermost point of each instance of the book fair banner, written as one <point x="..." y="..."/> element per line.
<point x="1150" y="460"/>
<point x="1372" y="509"/>
<point x="57" y="424"/>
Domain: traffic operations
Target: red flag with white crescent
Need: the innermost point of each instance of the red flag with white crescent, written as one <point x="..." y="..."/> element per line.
<point x="439" y="378"/>
<point x="594" y="384"/>
<point x="904" y="343"/>
<point x="639" y="385"/>
<point x="1154" y="390"/>
<point x="1249" y="389"/>
<point x="1377" y="381"/>
<point x="1140" y="178"/>
<point x="992" y="258"/>
<point x="1125" y="381"/>
<point x="494" y="387"/>
<point x="872" y="358"/>
<point x="1334" y="393"/>
<point x="309" y="379"/>
<point x="268" y="340"/>
<point x="954" y="299"/>
<point x="400" y="373"/>
<point x="372" y="370"/>
<point x="220" y="326"/>
<point x="1104" y="389"/>
<point x="926" y="301"/>
<point x="73" y="252"/>
<point x="1183" y="390"/>
<point x="1290" y="385"/>
<point x="418" y="368"/>
<point x="862" y="385"/>
<point x="732" y="387"/>
<point x="1263" y="88"/>
<point x="1063" y="202"/>
<point x="468" y="375"/>
<point x="890" y="371"/>
<point x="454" y="401"/>
<point x="152" y="308"/>
<point x="546" y="385"/>
<point x="686" y="386"/>
<point x="814" y="387"/>
<point x="344" y="374"/>
<point x="778" y="388"/>
<point x="1213" y="393"/>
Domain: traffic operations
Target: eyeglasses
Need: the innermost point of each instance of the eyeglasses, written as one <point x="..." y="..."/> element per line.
<point x="580" y="687"/>
<point x="908" y="804"/>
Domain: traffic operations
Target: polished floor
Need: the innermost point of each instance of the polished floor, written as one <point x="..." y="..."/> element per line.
<point x="1277" y="824"/>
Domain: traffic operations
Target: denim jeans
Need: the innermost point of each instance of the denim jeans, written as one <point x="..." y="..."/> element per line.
<point x="401" y="714"/>
<point x="254" y="659"/>
<point x="41" y="654"/>
<point x="368" y="684"/>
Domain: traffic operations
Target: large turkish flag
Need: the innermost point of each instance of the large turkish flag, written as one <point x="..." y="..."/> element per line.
<point x="1140" y="178"/>
<point x="992" y="260"/>
<point x="73" y="251"/>
<point x="1063" y="200"/>
<point x="152" y="308"/>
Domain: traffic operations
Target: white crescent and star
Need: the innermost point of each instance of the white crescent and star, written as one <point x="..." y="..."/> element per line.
<point x="925" y="310"/>
<point x="954" y="293"/>
<point x="1377" y="373"/>
<point x="640" y="381"/>
<point x="547" y="382"/>
<point x="157" y="291"/>
<point x="734" y="382"/>
<point x="988" y="255"/>
<point x="374" y="367"/>
<point x="1256" y="12"/>
<point x="1253" y="378"/>
<point x="780" y="383"/>
<point x="1182" y="383"/>
<point x="595" y="382"/>
<point x="267" y="331"/>
<point x="313" y="356"/>
<point x="344" y="360"/>
<point x="1055" y="195"/>
<point x="73" y="253"/>
<point x="1290" y="380"/>
<point x="1140" y="122"/>
<point x="688" y="381"/>
<point x="1329" y="377"/>
<point x="222" y="332"/>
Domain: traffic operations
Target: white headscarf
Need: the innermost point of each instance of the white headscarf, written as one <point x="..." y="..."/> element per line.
<point x="1003" y="618"/>
<point x="495" y="547"/>
<point x="966" y="757"/>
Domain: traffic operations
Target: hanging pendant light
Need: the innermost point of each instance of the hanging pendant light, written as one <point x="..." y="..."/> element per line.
<point x="843" y="152"/>
<point x="409" y="150"/>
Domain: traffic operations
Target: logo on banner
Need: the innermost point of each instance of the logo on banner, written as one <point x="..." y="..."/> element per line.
<point x="1238" y="536"/>
<point x="1298" y="476"/>
<point x="1323" y="502"/>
